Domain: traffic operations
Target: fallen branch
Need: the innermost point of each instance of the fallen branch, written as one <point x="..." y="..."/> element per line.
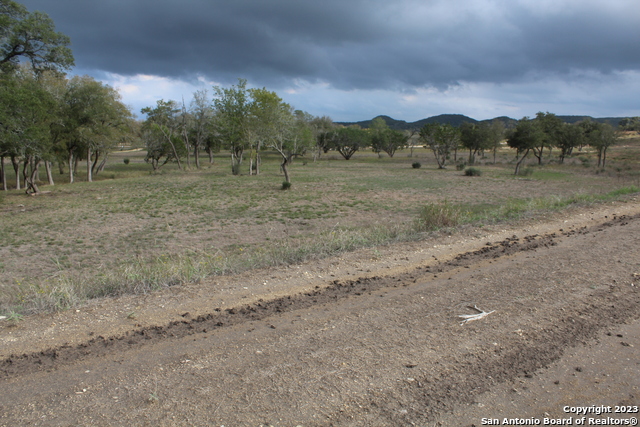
<point x="472" y="317"/>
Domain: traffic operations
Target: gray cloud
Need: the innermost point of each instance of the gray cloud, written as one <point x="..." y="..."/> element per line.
<point x="350" y="44"/>
<point x="356" y="58"/>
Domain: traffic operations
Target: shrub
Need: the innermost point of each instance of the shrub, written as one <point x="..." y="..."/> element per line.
<point x="235" y="169"/>
<point x="460" y="166"/>
<point x="473" y="172"/>
<point x="416" y="165"/>
<point x="285" y="185"/>
<point x="528" y="171"/>
<point x="126" y="161"/>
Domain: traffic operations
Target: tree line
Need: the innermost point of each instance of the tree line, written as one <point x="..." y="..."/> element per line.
<point x="245" y="122"/>
<point x="546" y="132"/>
<point x="47" y="118"/>
<point x="238" y="119"/>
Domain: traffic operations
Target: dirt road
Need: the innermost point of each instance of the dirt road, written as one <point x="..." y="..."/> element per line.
<point x="372" y="338"/>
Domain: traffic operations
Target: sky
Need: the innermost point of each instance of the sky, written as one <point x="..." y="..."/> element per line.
<point x="353" y="60"/>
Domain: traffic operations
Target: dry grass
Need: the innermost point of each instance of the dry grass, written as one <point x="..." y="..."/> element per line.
<point x="132" y="231"/>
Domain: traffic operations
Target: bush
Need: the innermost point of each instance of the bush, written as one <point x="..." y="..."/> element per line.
<point x="528" y="171"/>
<point x="126" y="161"/>
<point x="416" y="165"/>
<point x="460" y="166"/>
<point x="235" y="169"/>
<point x="285" y="185"/>
<point x="473" y="172"/>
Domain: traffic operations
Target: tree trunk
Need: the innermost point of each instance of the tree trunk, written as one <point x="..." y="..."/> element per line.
<point x="251" y="159"/>
<point x="526" y="153"/>
<point x="539" y="153"/>
<point x="47" y="168"/>
<point x="30" y="181"/>
<point x="196" y="155"/>
<point x="173" y="147"/>
<point x="37" y="169"/>
<point x="25" y="169"/>
<point x="258" y="160"/>
<point x="3" y="174"/>
<point x="71" y="162"/>
<point x="96" y="157"/>
<point x="16" y="168"/>
<point x="61" y="167"/>
<point x="89" y="175"/>
<point x="285" y="170"/>
<point x="186" y="146"/>
<point x="103" y="163"/>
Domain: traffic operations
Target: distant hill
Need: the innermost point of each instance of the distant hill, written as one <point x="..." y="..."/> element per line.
<point x="458" y="119"/>
<point x="613" y="121"/>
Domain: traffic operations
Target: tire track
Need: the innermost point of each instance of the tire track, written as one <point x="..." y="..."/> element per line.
<point x="52" y="358"/>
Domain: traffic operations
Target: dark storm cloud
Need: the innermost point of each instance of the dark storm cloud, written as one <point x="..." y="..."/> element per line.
<point x="361" y="44"/>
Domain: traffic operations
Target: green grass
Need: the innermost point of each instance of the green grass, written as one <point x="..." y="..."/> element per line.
<point x="143" y="231"/>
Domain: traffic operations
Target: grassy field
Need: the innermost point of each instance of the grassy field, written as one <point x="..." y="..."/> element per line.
<point x="134" y="231"/>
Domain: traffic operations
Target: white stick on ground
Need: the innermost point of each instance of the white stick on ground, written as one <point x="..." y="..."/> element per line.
<point x="472" y="317"/>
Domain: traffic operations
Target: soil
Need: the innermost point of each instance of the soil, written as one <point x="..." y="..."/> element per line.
<point x="371" y="338"/>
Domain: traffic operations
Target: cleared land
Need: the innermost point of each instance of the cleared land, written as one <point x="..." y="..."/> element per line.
<point x="141" y="232"/>
<point x="371" y="338"/>
<point x="324" y="305"/>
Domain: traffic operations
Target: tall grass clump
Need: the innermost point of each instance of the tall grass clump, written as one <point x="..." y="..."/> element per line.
<point x="143" y="275"/>
<point x="472" y="172"/>
<point x="439" y="215"/>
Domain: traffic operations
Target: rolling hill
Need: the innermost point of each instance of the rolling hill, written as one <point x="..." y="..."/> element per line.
<point x="458" y="119"/>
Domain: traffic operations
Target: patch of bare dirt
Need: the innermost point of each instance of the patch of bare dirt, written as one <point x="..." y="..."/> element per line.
<point x="369" y="338"/>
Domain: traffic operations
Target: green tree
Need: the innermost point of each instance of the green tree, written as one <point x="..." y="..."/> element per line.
<point x="550" y="125"/>
<point x="569" y="136"/>
<point x="630" y="124"/>
<point x="270" y="119"/>
<point x="275" y="124"/>
<point x="348" y="140"/>
<point x="31" y="36"/>
<point x="477" y="137"/>
<point x="377" y="130"/>
<point x="442" y="139"/>
<point x="601" y="137"/>
<point x="389" y="141"/>
<point x="162" y="131"/>
<point x="481" y="137"/>
<point x="525" y="137"/>
<point x="159" y="148"/>
<point x="496" y="135"/>
<point x="321" y="128"/>
<point x="25" y="118"/>
<point x="200" y="124"/>
<point x="232" y="116"/>
<point x="93" y="118"/>
<point x="56" y="85"/>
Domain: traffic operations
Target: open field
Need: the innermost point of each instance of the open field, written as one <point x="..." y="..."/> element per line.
<point x="367" y="338"/>
<point x="335" y="303"/>
<point x="132" y="231"/>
